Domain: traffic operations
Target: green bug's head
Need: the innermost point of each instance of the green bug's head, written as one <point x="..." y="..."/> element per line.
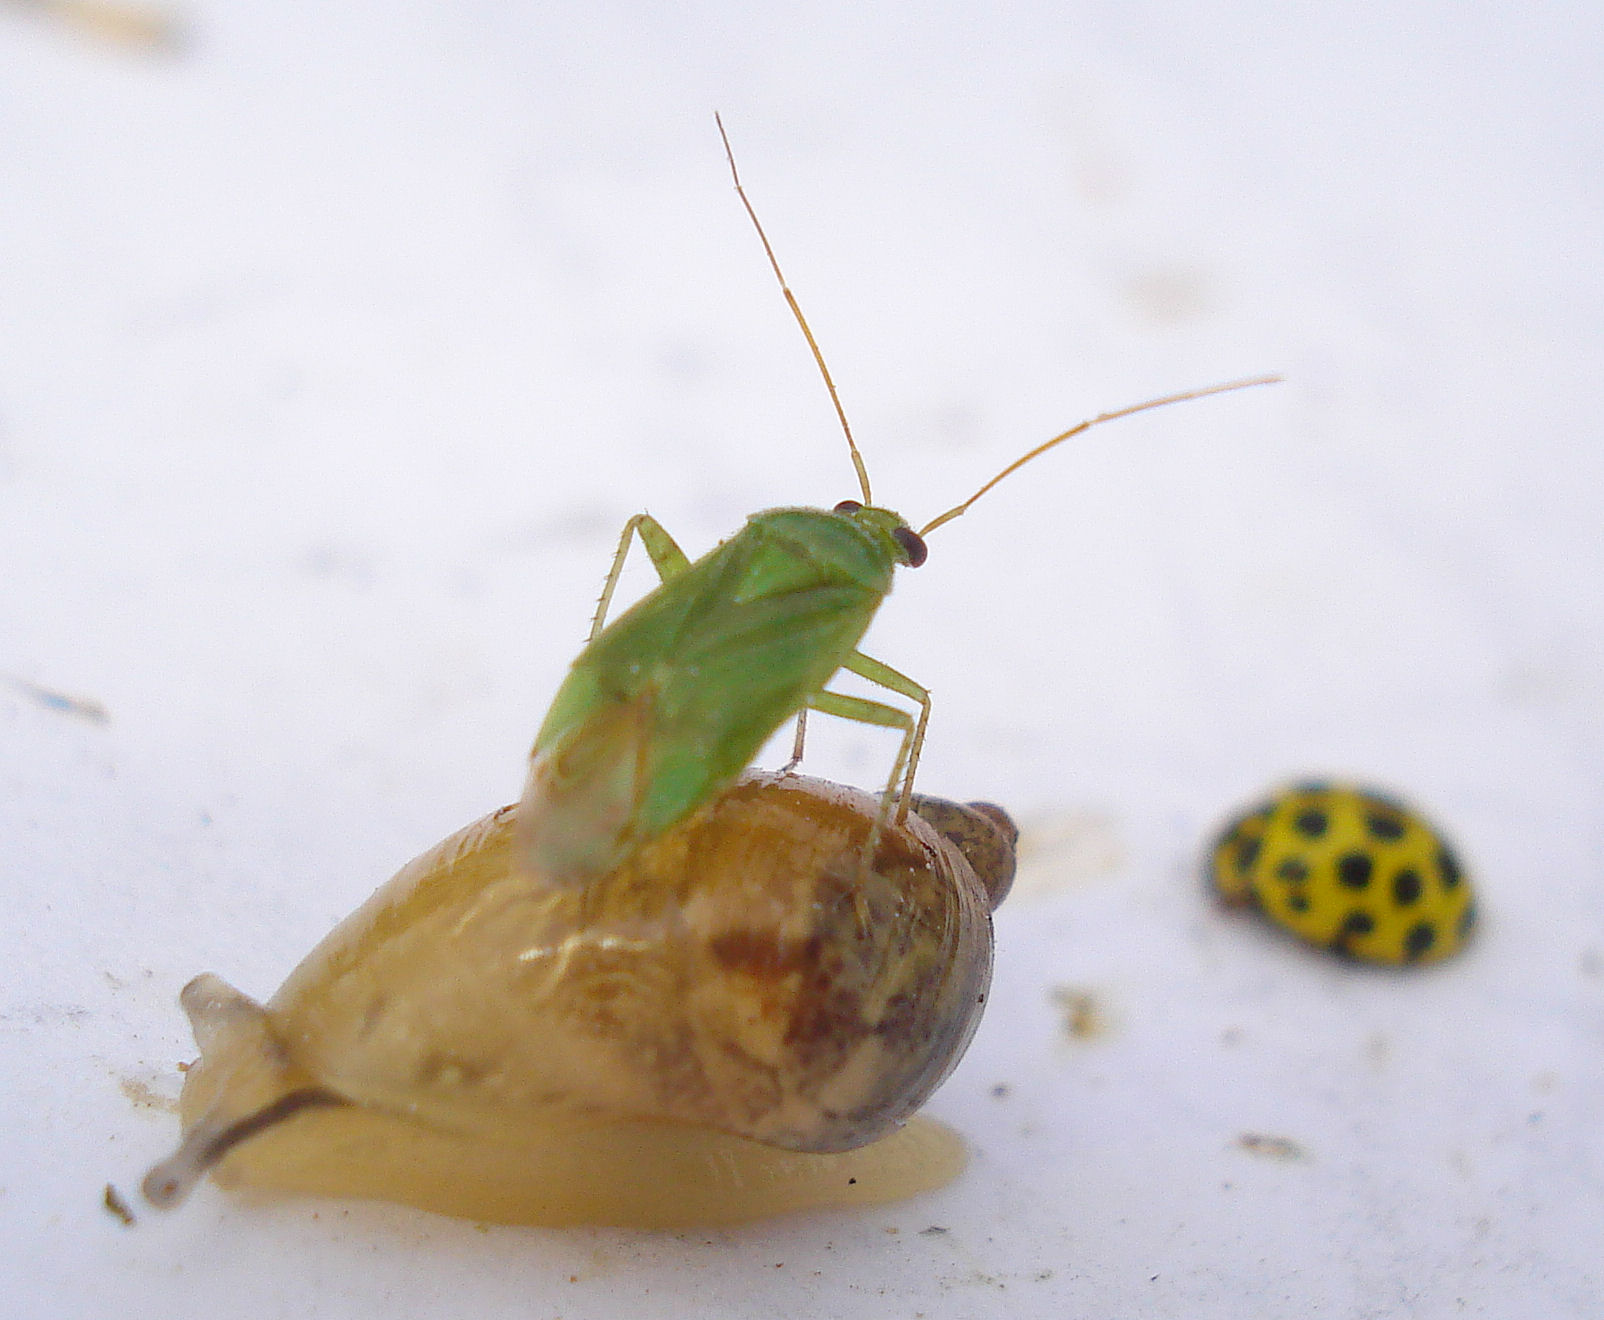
<point x="906" y="545"/>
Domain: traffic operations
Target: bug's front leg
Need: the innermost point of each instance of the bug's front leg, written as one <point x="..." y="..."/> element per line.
<point x="667" y="558"/>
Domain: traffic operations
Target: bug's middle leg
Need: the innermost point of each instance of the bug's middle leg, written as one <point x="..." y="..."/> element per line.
<point x="667" y="558"/>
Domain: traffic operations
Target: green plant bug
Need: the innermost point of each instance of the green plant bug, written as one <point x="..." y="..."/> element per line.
<point x="670" y="701"/>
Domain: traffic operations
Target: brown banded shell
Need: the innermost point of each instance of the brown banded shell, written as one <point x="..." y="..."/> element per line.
<point x="683" y="1040"/>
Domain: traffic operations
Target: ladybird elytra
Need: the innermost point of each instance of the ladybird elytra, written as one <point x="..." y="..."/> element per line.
<point x="1348" y="868"/>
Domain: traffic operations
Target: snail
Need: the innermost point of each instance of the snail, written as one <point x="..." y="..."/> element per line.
<point x="736" y="1022"/>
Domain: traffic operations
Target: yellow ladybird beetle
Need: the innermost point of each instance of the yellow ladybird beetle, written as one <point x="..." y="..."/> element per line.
<point x="1349" y="869"/>
<point x="738" y="1021"/>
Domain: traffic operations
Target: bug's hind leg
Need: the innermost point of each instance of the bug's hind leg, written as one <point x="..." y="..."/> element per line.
<point x="667" y="558"/>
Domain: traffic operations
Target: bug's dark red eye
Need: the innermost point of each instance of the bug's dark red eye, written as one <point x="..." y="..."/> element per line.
<point x="913" y="545"/>
<point x="848" y="506"/>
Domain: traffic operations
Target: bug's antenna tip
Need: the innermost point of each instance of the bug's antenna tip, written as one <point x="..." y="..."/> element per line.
<point x="796" y="311"/>
<point x="1183" y="397"/>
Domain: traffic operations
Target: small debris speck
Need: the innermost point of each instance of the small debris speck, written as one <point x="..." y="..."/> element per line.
<point x="1271" y="1148"/>
<point x="1082" y="1012"/>
<point x="138" y="28"/>
<point x="143" y="1096"/>
<point x="114" y="1203"/>
<point x="85" y="708"/>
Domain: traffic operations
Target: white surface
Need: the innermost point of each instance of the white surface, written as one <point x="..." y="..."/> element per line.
<point x="336" y="347"/>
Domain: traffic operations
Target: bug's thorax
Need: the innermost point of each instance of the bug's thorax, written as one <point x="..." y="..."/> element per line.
<point x="887" y="528"/>
<point x="793" y="549"/>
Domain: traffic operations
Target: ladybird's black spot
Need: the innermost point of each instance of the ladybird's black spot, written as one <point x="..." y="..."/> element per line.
<point x="1467" y="920"/>
<point x="848" y="506"/>
<point x="1354" y="870"/>
<point x="1374" y="797"/>
<point x="1238" y="827"/>
<point x="1247" y="852"/>
<point x="1311" y="822"/>
<point x="1448" y="867"/>
<point x="1422" y="935"/>
<point x="1406" y="886"/>
<point x="1385" y="825"/>
<point x="1294" y="870"/>
<point x="1298" y="902"/>
<point x="1358" y="923"/>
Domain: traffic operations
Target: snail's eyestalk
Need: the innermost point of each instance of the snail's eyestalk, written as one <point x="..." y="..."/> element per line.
<point x="170" y="1182"/>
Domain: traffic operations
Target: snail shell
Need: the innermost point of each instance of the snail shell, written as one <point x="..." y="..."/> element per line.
<point x="736" y="1022"/>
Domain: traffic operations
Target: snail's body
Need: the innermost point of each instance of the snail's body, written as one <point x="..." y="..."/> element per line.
<point x="659" y="1046"/>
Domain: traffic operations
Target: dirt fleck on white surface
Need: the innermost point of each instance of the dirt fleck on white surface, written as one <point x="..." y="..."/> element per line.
<point x="1270" y="1147"/>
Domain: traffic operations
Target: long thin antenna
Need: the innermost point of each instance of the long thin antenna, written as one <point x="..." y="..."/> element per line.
<point x="796" y="311"/>
<point x="960" y="509"/>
